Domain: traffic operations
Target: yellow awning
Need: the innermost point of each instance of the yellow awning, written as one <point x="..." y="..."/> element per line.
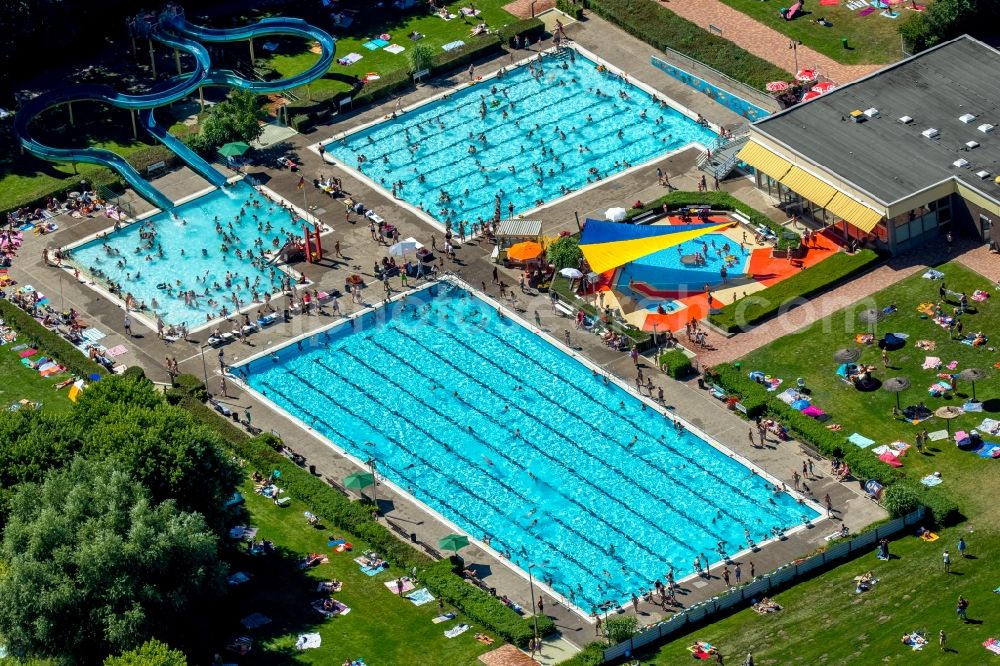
<point x="763" y="160"/>
<point x="808" y="186"/>
<point x="854" y="213"/>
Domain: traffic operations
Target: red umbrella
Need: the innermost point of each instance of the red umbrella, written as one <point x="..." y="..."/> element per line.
<point x="812" y="94"/>
<point x="806" y="75"/>
<point x="776" y="86"/>
<point x="824" y="87"/>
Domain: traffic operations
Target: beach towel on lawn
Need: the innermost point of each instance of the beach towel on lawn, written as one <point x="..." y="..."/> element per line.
<point x="451" y="46"/>
<point x="395" y="49"/>
<point x="391" y="586"/>
<point x="860" y="440"/>
<point x="937" y="435"/>
<point x="255" y="620"/>
<point x="308" y="641"/>
<point x="443" y="618"/>
<point x="420" y="597"/>
<point x="930" y="481"/>
<point x="456" y="631"/>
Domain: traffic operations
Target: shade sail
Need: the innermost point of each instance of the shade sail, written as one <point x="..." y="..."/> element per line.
<point x="608" y="245"/>
<point x="854" y="213"/>
<point x="808" y="186"/>
<point x="763" y="160"/>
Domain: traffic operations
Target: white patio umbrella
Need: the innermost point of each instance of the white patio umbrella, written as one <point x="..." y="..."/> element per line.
<point x="571" y="273"/>
<point x="615" y="214"/>
<point x="402" y="247"/>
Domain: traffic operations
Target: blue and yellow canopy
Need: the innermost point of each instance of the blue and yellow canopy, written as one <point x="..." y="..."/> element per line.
<point x="608" y="245"/>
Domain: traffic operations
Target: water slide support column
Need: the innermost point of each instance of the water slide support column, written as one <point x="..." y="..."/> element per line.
<point x="152" y="58"/>
<point x="69" y="105"/>
<point x="135" y="130"/>
<point x="252" y="59"/>
<point x="201" y="98"/>
<point x="177" y="61"/>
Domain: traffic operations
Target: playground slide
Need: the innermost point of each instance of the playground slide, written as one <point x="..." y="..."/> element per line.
<point x="177" y="88"/>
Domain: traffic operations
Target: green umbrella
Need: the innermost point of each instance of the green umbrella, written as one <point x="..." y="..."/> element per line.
<point x="234" y="149"/>
<point x="454" y="542"/>
<point x="359" y="480"/>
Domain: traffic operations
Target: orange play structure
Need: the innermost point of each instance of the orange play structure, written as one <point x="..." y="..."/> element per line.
<point x="313" y="246"/>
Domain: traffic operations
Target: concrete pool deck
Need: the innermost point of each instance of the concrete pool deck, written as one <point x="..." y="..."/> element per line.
<point x="360" y="251"/>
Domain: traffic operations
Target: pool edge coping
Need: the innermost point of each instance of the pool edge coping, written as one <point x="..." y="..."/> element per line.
<point x="318" y="147"/>
<point x="586" y="362"/>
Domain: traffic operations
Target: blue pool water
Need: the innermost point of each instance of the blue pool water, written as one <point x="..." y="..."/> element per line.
<point x="187" y="253"/>
<point x="510" y="438"/>
<point x="664" y="270"/>
<point x="751" y="112"/>
<point x="532" y="155"/>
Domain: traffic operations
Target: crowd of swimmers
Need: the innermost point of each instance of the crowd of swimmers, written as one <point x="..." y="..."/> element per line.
<point x="556" y="145"/>
<point x="223" y="295"/>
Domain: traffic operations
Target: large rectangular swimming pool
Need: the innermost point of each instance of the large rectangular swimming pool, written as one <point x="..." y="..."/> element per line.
<point x="518" y="141"/>
<point x="517" y="442"/>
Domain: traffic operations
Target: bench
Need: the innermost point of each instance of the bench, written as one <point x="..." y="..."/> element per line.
<point x="565" y="309"/>
<point x="156" y="166"/>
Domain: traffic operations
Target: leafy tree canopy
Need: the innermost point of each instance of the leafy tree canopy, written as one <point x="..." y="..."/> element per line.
<point x="564" y="252"/>
<point x="94" y="565"/>
<point x="236" y="119"/>
<point x="150" y="653"/>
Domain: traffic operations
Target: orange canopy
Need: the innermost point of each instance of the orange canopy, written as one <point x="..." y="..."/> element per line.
<point x="524" y="251"/>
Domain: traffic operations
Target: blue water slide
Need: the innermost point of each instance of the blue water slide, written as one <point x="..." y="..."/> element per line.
<point x="185" y="37"/>
<point x="264" y="27"/>
<point x="181" y="149"/>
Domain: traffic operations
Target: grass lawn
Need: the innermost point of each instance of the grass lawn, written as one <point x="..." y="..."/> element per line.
<point x="809" y="354"/>
<point x="381" y="627"/>
<point x="823" y="620"/>
<point x="291" y="58"/>
<point x="21" y="383"/>
<point x="871" y="39"/>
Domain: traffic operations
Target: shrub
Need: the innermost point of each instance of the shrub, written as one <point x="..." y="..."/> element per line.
<point x="301" y="122"/>
<point x="901" y="498"/>
<point x="942" y="507"/>
<point x="768" y="302"/>
<point x="678" y="365"/>
<point x="48" y="341"/>
<point x="570" y="8"/>
<point x="134" y="372"/>
<point x="592" y="654"/>
<point x="620" y="628"/>
<point x="662" y="29"/>
<point x="191" y="386"/>
<point x="564" y="252"/>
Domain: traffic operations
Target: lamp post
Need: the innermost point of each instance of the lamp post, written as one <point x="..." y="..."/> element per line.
<point x="534" y="614"/>
<point x="794" y="46"/>
<point x="204" y="366"/>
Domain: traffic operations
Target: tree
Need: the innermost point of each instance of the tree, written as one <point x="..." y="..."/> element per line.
<point x="236" y="119"/>
<point x="150" y="653"/>
<point x="420" y="57"/>
<point x="620" y="628"/>
<point x="564" y="252"/>
<point x="93" y="565"/>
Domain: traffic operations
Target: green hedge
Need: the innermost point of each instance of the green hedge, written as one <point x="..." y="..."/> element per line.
<point x="720" y="201"/>
<point x="48" y="341"/>
<point x="389" y="83"/>
<point x="192" y="386"/>
<point x="100" y="177"/>
<point x="768" y="302"/>
<point x="678" y="364"/>
<point x="529" y="27"/>
<point x="662" y="29"/>
<point x="484" y="608"/>
<point x="570" y="8"/>
<point x="354" y="517"/>
<point x="592" y="654"/>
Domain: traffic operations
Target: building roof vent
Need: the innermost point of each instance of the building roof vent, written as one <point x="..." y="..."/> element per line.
<point x="906" y="120"/>
<point x="931" y="133"/>
<point x="983" y="174"/>
<point x="960" y="163"/>
<point x="985" y="128"/>
<point x="872" y="112"/>
<point x="971" y="144"/>
<point x="967" y="118"/>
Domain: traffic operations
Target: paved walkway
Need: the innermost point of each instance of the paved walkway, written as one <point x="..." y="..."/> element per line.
<point x="522" y="8"/>
<point x="763" y="41"/>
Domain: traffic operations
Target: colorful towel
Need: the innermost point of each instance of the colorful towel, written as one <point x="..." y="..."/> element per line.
<point x="866" y="11"/>
<point x="930" y="480"/>
<point x="991" y="426"/>
<point x="860" y="441"/>
<point x="443" y="618"/>
<point x="420" y="597"/>
<point x="932" y="363"/>
<point x="391" y="586"/>
<point x="373" y="571"/>
<point x="394" y="49"/>
<point x="30" y="351"/>
<point x="375" y="44"/>
<point x="350" y="59"/>
<point x="937" y="435"/>
<point x="117" y="350"/>
<point x="990" y="451"/>
<point x="456" y="631"/>
<point x="451" y="46"/>
<point x="829" y="3"/>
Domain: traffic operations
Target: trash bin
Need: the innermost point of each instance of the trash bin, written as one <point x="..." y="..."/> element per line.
<point x="843" y="42"/>
<point x="312" y="469"/>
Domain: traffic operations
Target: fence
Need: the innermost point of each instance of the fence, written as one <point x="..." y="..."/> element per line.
<point x="754" y="104"/>
<point x="760" y="586"/>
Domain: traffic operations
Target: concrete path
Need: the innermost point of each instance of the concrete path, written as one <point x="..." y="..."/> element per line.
<point x="763" y="41"/>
